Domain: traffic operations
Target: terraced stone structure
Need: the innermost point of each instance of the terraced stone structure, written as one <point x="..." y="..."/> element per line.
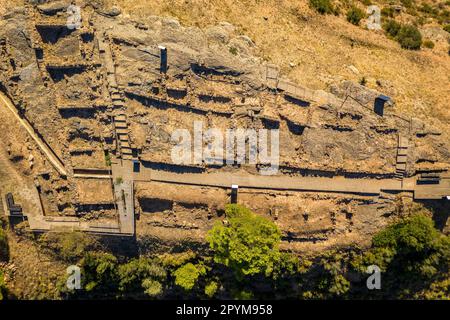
<point x="100" y="104"/>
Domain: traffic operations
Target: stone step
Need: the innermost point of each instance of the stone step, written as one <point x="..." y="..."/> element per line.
<point x="120" y="125"/>
<point x="401" y="159"/>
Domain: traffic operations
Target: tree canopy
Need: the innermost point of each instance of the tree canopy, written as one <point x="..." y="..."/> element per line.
<point x="247" y="243"/>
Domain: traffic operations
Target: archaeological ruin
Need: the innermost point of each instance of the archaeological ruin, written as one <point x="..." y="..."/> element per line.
<point x="96" y="105"/>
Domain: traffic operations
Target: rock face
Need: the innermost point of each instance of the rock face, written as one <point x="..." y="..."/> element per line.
<point x="118" y="88"/>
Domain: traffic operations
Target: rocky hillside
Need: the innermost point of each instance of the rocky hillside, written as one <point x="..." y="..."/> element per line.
<point x="320" y="50"/>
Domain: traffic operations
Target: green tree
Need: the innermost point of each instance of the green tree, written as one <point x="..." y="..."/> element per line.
<point x="413" y="254"/>
<point x="186" y="276"/>
<point x="247" y="243"/>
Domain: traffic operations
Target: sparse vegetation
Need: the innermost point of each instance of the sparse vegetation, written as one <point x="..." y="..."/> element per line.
<point x="68" y="246"/>
<point x="119" y="180"/>
<point x="354" y="15"/>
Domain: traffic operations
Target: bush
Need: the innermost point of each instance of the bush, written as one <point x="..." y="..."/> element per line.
<point x="248" y="243"/>
<point x="4" y="248"/>
<point x="409" y="37"/>
<point x="322" y="6"/>
<point x="354" y="15"/>
<point x="428" y="44"/>
<point x="392" y="27"/>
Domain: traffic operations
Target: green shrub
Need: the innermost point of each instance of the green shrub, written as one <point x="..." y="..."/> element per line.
<point x="447" y="28"/>
<point x="322" y="6"/>
<point x="4" y="248"/>
<point x="354" y="15"/>
<point x="428" y="44"/>
<point x="409" y="37"/>
<point x="392" y="27"/>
